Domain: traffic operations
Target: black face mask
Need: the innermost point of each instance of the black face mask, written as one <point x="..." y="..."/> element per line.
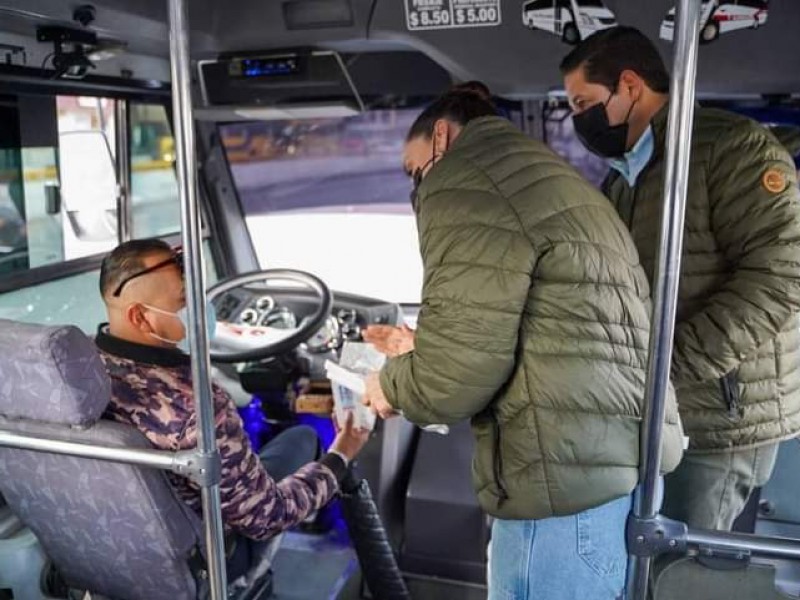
<point x="600" y="137"/>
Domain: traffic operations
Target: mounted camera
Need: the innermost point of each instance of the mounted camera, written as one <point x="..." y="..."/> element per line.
<point x="69" y="57"/>
<point x="72" y="65"/>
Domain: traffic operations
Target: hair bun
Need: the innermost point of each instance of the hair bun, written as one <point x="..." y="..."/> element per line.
<point x="476" y="88"/>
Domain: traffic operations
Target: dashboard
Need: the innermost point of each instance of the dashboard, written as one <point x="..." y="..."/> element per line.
<point x="286" y="307"/>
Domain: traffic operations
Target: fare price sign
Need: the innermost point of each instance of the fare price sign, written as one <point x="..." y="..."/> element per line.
<point x="451" y="14"/>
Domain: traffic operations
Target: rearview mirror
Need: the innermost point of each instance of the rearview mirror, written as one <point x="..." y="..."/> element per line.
<point x="89" y="186"/>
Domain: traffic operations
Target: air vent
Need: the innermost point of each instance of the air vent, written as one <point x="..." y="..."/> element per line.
<point x="317" y="14"/>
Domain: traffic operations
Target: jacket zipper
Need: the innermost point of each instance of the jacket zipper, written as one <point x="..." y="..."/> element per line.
<point x="497" y="462"/>
<point x="634" y="196"/>
<point x="730" y="393"/>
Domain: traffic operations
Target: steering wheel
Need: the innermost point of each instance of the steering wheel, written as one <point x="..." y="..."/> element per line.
<point x="308" y="326"/>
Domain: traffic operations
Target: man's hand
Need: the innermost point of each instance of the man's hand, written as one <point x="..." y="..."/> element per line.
<point x="349" y="440"/>
<point x="375" y="398"/>
<point x="390" y="340"/>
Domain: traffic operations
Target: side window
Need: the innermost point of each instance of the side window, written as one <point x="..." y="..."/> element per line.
<point x="212" y="275"/>
<point x="539" y="5"/>
<point x="72" y="300"/>
<point x="58" y="203"/>
<point x="31" y="233"/>
<point x="60" y="199"/>
<point x="154" y="184"/>
<point x="49" y="148"/>
<point x="755" y="4"/>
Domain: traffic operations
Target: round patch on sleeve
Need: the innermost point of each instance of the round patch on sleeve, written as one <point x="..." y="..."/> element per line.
<point x="774" y="181"/>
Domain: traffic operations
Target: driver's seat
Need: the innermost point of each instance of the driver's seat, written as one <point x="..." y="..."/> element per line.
<point x="115" y="530"/>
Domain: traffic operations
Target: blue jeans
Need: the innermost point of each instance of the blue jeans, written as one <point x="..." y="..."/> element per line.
<point x="281" y="456"/>
<point x="577" y="557"/>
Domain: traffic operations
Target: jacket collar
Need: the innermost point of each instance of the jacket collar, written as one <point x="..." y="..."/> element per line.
<point x="631" y="165"/>
<point x="151" y="355"/>
<point x="660" y="122"/>
<point x="470" y="135"/>
<point x="658" y="125"/>
<point x="477" y="128"/>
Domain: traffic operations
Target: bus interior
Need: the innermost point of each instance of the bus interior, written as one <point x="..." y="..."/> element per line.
<point x="301" y="108"/>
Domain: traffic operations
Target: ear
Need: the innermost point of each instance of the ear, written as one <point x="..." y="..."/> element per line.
<point x="632" y="84"/>
<point x="441" y="136"/>
<point x="135" y="315"/>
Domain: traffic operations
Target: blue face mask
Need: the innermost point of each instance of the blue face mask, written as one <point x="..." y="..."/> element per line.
<point x="631" y="165"/>
<point x="183" y="316"/>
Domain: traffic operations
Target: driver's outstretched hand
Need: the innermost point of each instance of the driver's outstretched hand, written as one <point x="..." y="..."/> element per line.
<point x="349" y="439"/>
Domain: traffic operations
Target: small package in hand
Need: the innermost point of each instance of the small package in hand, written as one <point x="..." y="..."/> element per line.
<point x="347" y="382"/>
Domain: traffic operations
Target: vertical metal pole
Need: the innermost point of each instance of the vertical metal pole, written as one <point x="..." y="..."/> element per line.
<point x="124" y="209"/>
<point x="195" y="286"/>
<point x="665" y="286"/>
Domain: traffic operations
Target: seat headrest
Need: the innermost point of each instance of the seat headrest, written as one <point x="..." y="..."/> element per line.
<point x="51" y="374"/>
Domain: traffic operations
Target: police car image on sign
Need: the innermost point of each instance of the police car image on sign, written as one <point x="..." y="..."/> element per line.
<point x="451" y="14"/>
<point x="571" y="20"/>
<point x="719" y="17"/>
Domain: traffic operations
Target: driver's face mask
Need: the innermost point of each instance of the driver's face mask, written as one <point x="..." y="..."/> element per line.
<point x="183" y="316"/>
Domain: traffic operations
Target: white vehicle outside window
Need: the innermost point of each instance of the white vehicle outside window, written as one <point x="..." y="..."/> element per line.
<point x="722" y="17"/>
<point x="86" y="145"/>
<point x="572" y="20"/>
<point x="91" y="208"/>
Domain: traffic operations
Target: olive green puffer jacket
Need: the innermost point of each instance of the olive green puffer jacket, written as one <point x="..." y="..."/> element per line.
<point x="534" y="323"/>
<point x="736" y="364"/>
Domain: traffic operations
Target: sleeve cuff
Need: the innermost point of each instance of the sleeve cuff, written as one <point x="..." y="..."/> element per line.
<point x="387" y="383"/>
<point x="336" y="464"/>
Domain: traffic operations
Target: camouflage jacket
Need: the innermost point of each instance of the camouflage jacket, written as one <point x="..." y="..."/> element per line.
<point x="152" y="390"/>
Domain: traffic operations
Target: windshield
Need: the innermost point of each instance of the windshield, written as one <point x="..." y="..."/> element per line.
<point x="329" y="196"/>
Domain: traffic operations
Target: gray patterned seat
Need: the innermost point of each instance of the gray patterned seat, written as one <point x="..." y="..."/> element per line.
<point x="116" y="530"/>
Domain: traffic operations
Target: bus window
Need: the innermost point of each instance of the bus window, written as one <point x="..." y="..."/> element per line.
<point x="72" y="300"/>
<point x="30" y="226"/>
<point x="154" y="184"/>
<point x="59" y="200"/>
<point x="560" y="136"/>
<point x="211" y="273"/>
<point x="329" y="196"/>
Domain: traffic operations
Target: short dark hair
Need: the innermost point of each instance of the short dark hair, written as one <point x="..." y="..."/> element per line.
<point x="604" y="55"/>
<point x="126" y="260"/>
<point x="461" y="104"/>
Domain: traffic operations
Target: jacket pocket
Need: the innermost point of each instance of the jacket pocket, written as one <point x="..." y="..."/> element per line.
<point x="601" y="540"/>
<point x="729" y="385"/>
<point x="497" y="461"/>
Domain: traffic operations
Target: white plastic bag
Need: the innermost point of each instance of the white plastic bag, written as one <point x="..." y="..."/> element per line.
<point x="347" y="382"/>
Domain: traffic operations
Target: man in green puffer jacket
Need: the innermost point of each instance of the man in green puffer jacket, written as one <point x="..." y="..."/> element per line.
<point x="534" y="324"/>
<point x="736" y="362"/>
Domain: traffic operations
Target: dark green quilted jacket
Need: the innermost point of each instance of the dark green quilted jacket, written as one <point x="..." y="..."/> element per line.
<point x="736" y="364"/>
<point x="534" y="324"/>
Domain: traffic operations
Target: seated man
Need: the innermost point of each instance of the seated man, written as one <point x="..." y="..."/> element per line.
<point x="142" y="285"/>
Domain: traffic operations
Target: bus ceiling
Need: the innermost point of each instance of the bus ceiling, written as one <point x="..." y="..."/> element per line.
<point x="515" y="46"/>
